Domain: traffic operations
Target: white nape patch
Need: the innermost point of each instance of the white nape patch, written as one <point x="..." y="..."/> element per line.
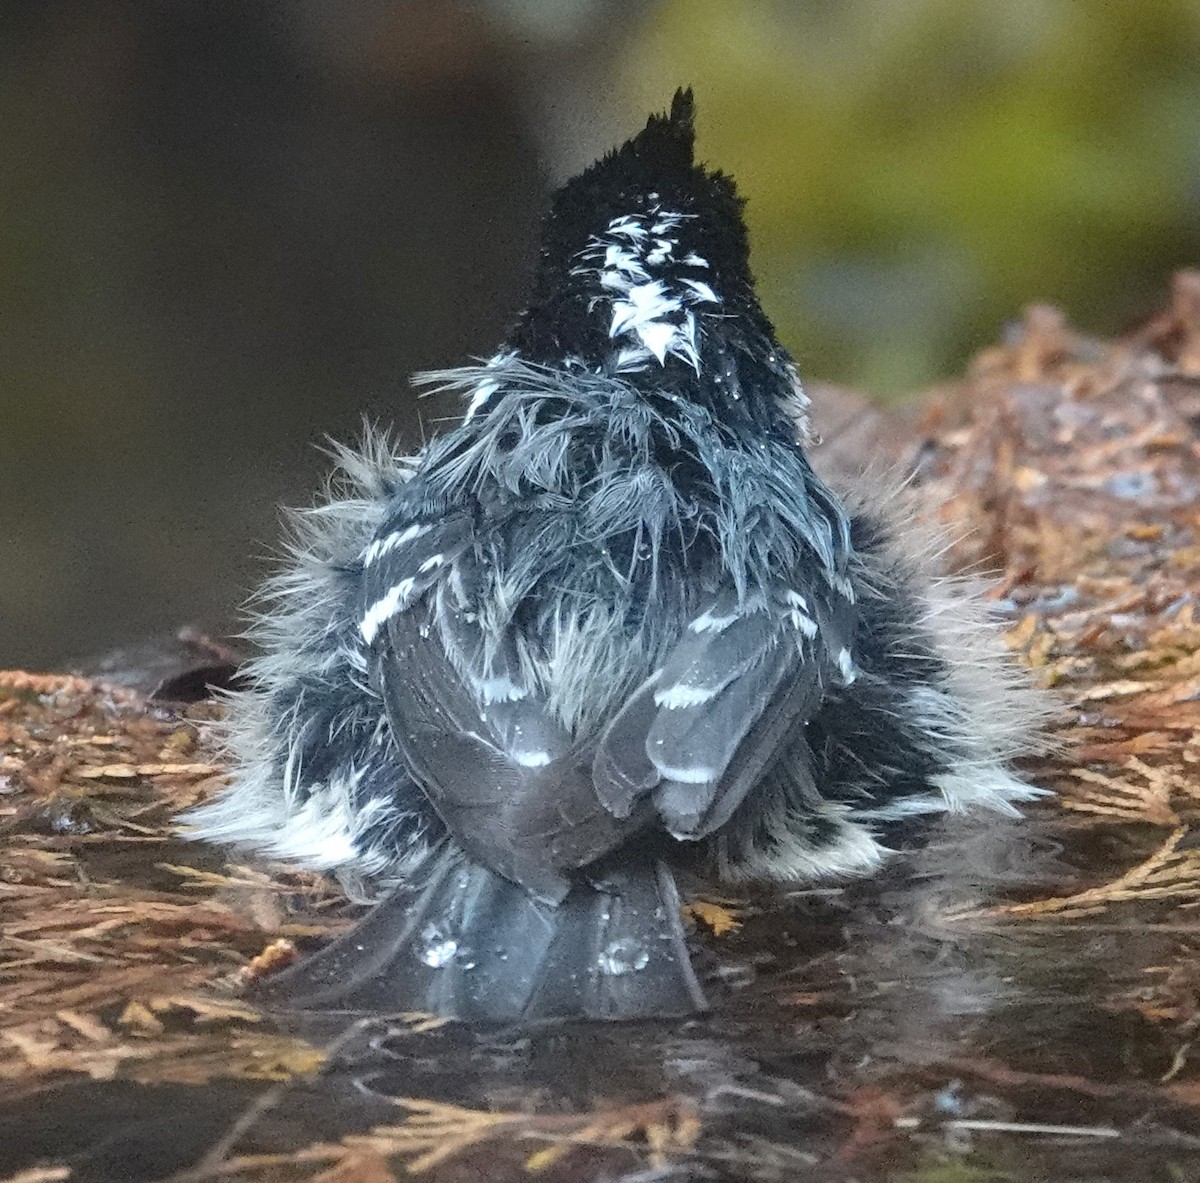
<point x="658" y="338"/>
<point x="663" y="247"/>
<point x="387" y="544"/>
<point x="676" y="697"/>
<point x="502" y="689"/>
<point x="644" y="304"/>
<point x="627" y="226"/>
<point x="532" y="759"/>
<point x="651" y="319"/>
<point x="621" y="260"/>
<point x="846" y="667"/>
<point x="706" y="622"/>
<point x="385" y="608"/>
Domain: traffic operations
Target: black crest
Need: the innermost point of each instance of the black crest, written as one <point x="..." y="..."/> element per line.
<point x="643" y="215"/>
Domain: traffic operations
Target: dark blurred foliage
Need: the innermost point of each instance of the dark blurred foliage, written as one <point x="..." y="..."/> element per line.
<point x="221" y="239"/>
<point x="229" y="229"/>
<point x="918" y="170"/>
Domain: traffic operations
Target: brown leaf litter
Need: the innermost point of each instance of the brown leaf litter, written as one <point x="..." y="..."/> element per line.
<point x="1073" y="467"/>
<point x="107" y="944"/>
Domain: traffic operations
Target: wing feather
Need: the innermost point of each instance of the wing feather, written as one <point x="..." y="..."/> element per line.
<point x="512" y="785"/>
<point x="501" y="771"/>
<point x="697" y="736"/>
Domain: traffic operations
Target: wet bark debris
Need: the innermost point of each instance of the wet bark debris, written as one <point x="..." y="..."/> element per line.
<point x="109" y="922"/>
<point x="1069" y="466"/>
<point x="1072" y="467"/>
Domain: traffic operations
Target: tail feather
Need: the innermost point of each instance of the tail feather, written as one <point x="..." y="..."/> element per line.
<point x="619" y="952"/>
<point x="477" y="947"/>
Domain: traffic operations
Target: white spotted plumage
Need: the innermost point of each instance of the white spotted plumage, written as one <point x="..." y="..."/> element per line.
<point x="382" y="546"/>
<point x="384" y="608"/>
<point x="681" y="695"/>
<point x="573" y="620"/>
<point x="650" y="316"/>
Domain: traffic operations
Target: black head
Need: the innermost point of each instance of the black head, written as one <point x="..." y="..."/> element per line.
<point x="644" y="271"/>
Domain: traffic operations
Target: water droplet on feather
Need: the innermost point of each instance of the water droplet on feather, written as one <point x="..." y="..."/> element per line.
<point x="623" y="957"/>
<point x="437" y="947"/>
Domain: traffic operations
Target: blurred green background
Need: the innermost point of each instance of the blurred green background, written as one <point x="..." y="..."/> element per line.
<point x="228" y="229"/>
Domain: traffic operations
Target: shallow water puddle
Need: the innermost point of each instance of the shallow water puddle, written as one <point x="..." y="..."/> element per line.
<point x="862" y="1034"/>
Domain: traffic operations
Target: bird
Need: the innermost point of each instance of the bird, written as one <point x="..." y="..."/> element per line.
<point x="610" y="625"/>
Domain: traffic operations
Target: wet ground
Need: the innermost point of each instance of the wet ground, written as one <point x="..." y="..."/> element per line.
<point x="888" y="1031"/>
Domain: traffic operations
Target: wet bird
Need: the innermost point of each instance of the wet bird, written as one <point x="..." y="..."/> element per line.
<point x="610" y="623"/>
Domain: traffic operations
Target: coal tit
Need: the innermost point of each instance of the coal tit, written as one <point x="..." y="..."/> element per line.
<point x="610" y="623"/>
